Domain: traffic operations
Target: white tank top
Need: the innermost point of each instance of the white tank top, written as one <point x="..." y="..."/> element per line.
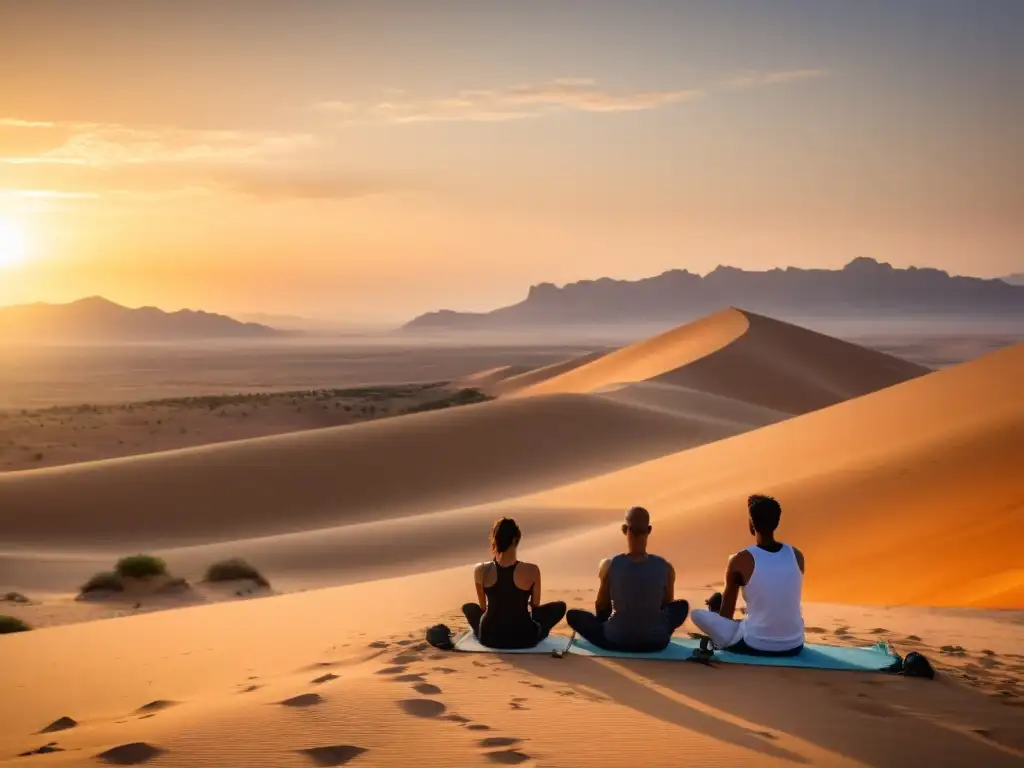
<point x="774" y="621"/>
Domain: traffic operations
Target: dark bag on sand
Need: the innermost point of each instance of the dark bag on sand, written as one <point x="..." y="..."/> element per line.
<point x="916" y="665"/>
<point x="440" y="636"/>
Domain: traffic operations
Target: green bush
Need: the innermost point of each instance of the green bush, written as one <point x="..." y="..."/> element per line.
<point x="235" y="569"/>
<point x="9" y="625"/>
<point x="140" y="567"/>
<point x="105" y="581"/>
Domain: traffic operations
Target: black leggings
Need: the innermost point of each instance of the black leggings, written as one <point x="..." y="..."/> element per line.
<point x="590" y="626"/>
<point x="545" y="617"/>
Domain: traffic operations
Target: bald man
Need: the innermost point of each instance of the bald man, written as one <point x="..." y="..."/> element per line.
<point x="635" y="607"/>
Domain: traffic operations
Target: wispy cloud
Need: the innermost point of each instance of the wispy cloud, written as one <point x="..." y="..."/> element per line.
<point x="515" y="102"/>
<point x="533" y="100"/>
<point x="111" y="145"/>
<point x="753" y="79"/>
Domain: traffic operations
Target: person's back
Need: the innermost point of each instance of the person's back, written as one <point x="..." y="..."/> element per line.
<point x="774" y="620"/>
<point x="507" y="621"/>
<point x="770" y="576"/>
<point x="508" y="612"/>
<point x="637" y="591"/>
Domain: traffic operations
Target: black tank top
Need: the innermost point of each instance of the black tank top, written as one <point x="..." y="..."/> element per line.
<point x="507" y="622"/>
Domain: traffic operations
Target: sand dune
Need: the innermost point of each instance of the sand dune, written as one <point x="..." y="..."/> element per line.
<point x="909" y="495"/>
<point x="536" y="375"/>
<point x="320" y="507"/>
<point x="338" y="673"/>
<point x="401" y="466"/>
<point x="744" y="357"/>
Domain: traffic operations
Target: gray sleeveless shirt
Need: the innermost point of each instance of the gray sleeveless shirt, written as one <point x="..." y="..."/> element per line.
<point x="637" y="592"/>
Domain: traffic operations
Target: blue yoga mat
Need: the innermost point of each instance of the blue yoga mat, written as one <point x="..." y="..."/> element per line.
<point x="875" y="658"/>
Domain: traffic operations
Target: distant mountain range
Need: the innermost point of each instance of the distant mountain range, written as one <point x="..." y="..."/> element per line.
<point x="97" y="319"/>
<point x="1015" y="279"/>
<point x="863" y="288"/>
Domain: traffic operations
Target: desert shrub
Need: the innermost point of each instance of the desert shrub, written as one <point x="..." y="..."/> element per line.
<point x="14" y="597"/>
<point x="235" y="569"/>
<point x="462" y="397"/>
<point x="140" y="567"/>
<point x="9" y="625"/>
<point x="104" y="581"/>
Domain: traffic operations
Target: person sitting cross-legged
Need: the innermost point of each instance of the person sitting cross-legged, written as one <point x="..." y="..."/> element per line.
<point x="635" y="608"/>
<point x="770" y="576"/>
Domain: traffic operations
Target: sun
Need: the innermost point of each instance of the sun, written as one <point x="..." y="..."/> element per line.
<point x="13" y="244"/>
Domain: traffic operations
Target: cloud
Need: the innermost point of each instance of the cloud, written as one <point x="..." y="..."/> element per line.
<point x="111" y="144"/>
<point x="516" y="102"/>
<point x="11" y="122"/>
<point x="753" y="79"/>
<point x="80" y="160"/>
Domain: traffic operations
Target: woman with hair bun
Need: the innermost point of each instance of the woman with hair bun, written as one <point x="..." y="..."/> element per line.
<point x="508" y="612"/>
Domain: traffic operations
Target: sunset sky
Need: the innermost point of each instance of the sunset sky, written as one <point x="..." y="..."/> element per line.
<point x="373" y="160"/>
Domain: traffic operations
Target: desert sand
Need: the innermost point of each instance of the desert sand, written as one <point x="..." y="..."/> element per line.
<point x="901" y="485"/>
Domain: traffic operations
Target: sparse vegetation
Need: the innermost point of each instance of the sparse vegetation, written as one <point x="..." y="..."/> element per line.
<point x="104" y="581"/>
<point x="235" y="569"/>
<point x="462" y="397"/>
<point x="15" y="597"/>
<point x="140" y="567"/>
<point x="10" y="625"/>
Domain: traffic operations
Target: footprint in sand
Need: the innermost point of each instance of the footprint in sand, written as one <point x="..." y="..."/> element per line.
<point x="303" y="700"/>
<point x="323" y="679"/>
<point x="60" y="724"/>
<point x="912" y="639"/>
<point x="508" y="757"/>
<point x="445" y="670"/>
<point x="404" y="642"/>
<point x="456" y="719"/>
<point x="391" y="670"/>
<point x="405" y="658"/>
<point x="815" y="630"/>
<point x="46" y="749"/>
<point x="426" y="689"/>
<point x="378" y="644"/>
<point x="155" y="706"/>
<point x="412" y="677"/>
<point x="337" y="754"/>
<point x="135" y="753"/>
<point x="880" y="631"/>
<point x="422" y="707"/>
<point x="250" y="688"/>
<point x="498" y="741"/>
<point x="844" y="630"/>
<point x="478" y="727"/>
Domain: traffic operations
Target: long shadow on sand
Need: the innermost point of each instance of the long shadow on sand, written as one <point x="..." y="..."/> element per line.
<point x="877" y="720"/>
<point x="629" y="692"/>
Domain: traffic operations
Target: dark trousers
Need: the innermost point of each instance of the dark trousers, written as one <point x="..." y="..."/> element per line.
<point x="714" y="604"/>
<point x="544" y="616"/>
<point x="590" y="626"/>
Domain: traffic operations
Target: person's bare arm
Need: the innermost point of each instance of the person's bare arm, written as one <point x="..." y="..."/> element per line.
<point x="604" y="595"/>
<point x="799" y="559"/>
<point x="735" y="577"/>
<point x="478" y="580"/>
<point x="535" y="594"/>
<point x="670" y="586"/>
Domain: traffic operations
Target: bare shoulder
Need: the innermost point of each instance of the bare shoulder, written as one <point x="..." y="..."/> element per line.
<point x="478" y="570"/>
<point x="531" y="568"/>
<point x="740" y="559"/>
<point x="602" y="568"/>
